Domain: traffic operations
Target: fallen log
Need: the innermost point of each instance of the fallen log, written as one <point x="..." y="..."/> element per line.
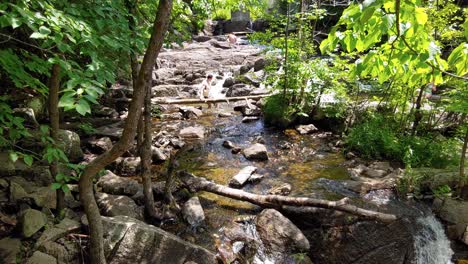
<point x="202" y="101"/>
<point x="196" y="184"/>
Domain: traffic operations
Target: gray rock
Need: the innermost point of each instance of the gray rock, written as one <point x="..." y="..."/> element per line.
<point x="246" y="68"/>
<point x="240" y="105"/>
<point x="375" y="173"/>
<point x="279" y="234"/>
<point x="193" y="132"/>
<point x="129" y="166"/>
<point x="190" y="112"/>
<point x="381" y="165"/>
<point x="32" y="221"/>
<point x="101" y="145"/>
<point x="41" y="258"/>
<point x="28" y="115"/>
<point x="252" y="110"/>
<point x="239" y="89"/>
<point x="132" y="241"/>
<point x="242" y="176"/>
<point x="157" y="154"/>
<point x="228" y="82"/>
<point x="201" y="38"/>
<point x="113" y="184"/>
<point x="69" y="142"/>
<point x="38" y="105"/>
<point x="113" y="205"/>
<point x="451" y="211"/>
<point x="306" y="129"/>
<point x="228" y="144"/>
<point x="57" y="251"/>
<point x="193" y="212"/>
<point x="220" y="45"/>
<point x="17" y="192"/>
<point x="9" y="250"/>
<point x="256" y="152"/>
<point x="224" y="114"/>
<point x="44" y="197"/>
<point x="259" y="64"/>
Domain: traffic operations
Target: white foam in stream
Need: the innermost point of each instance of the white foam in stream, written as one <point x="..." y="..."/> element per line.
<point x="431" y="243"/>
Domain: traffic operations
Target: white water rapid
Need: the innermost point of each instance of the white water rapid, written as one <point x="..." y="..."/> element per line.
<point x="431" y="243"/>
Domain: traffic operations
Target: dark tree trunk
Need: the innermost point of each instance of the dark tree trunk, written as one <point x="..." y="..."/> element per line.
<point x="417" y="112"/>
<point x="54" y="87"/>
<point x="170" y="181"/>
<point x="462" y="183"/>
<point x="128" y="135"/>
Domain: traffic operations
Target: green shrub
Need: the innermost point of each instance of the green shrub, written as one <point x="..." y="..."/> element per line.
<point x="379" y="138"/>
<point x="277" y="111"/>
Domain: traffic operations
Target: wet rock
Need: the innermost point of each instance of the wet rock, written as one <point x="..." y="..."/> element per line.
<point x="451" y="211"/>
<point x="259" y="64"/>
<point x="228" y="82"/>
<point x="246" y="68"/>
<point x="306" y="129"/>
<point x="190" y="112"/>
<point x="201" y="38"/>
<point x="345" y="188"/>
<point x="253" y="78"/>
<point x="256" y="152"/>
<point x="283" y="189"/>
<point x="10" y="248"/>
<point x="157" y="154"/>
<point x="129" y="166"/>
<point x="100" y="145"/>
<point x="236" y="150"/>
<point x="228" y="144"/>
<point x="248" y="119"/>
<point x="220" y="45"/>
<point x="113" y="205"/>
<point x="279" y="234"/>
<point x="193" y="132"/>
<point x="252" y="110"/>
<point x="69" y="142"/>
<point x="28" y="115"/>
<point x="32" y="221"/>
<point x="239" y="105"/>
<point x="41" y="258"/>
<point x="193" y="212"/>
<point x="239" y="89"/>
<point x="242" y="176"/>
<point x="132" y="241"/>
<point x="113" y="184"/>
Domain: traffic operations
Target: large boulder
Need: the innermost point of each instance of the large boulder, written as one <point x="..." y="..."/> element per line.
<point x="193" y="212"/>
<point x="69" y="142"/>
<point x="113" y="184"/>
<point x="129" y="166"/>
<point x="455" y="214"/>
<point x="100" y="145"/>
<point x="279" y="234"/>
<point x="260" y="64"/>
<point x="114" y="205"/>
<point x="131" y="241"/>
<point x="32" y="221"/>
<point x="239" y="89"/>
<point x="256" y="152"/>
<point x="10" y="248"/>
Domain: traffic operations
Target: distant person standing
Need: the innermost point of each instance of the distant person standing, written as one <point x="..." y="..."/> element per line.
<point x="205" y="87"/>
<point x="232" y="39"/>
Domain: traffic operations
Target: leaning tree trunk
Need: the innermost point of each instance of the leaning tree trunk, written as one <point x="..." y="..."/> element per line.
<point x="54" y="87"/>
<point x="128" y="135"/>
<point x="417" y="112"/>
<point x="278" y="201"/>
<point x="146" y="159"/>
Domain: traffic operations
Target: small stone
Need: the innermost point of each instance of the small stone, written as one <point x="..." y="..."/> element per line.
<point x="306" y="129"/>
<point x="32" y="221"/>
<point x="41" y="258"/>
<point x="157" y="154"/>
<point x="193" y="212"/>
<point x="129" y="166"/>
<point x="256" y="177"/>
<point x="242" y="176"/>
<point x="236" y="150"/>
<point x="256" y="152"/>
<point x="228" y="144"/>
<point x="283" y="189"/>
<point x="224" y="115"/>
<point x="101" y="145"/>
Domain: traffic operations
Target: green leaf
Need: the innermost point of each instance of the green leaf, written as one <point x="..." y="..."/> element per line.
<point x="367" y="14"/>
<point x="56" y="186"/>
<point x="13" y="156"/>
<point x="44" y="30"/>
<point x="28" y="160"/>
<point x="421" y="16"/>
<point x="37" y="35"/>
<point x="65" y="188"/>
<point x="59" y="177"/>
<point x="83" y="107"/>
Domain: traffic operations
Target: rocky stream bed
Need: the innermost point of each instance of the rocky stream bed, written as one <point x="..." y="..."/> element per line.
<point x="230" y="145"/>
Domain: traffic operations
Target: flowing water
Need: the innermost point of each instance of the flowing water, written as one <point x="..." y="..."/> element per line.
<point x="431" y="243"/>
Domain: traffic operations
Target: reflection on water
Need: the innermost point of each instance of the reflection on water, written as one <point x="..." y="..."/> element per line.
<point x="295" y="159"/>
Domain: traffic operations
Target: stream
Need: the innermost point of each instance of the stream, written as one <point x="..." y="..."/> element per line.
<point x="311" y="164"/>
